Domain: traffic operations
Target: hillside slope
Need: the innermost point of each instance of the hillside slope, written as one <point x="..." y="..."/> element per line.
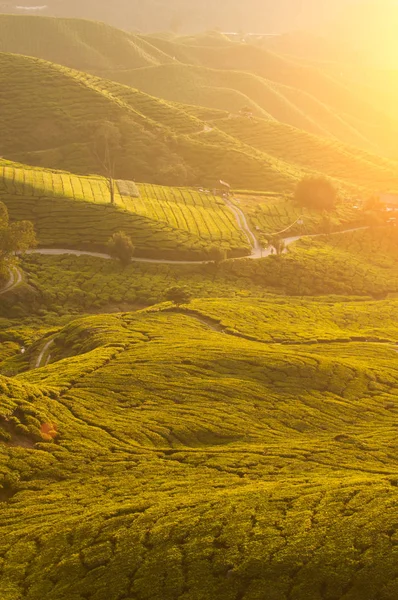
<point x="307" y="96"/>
<point x="76" y="43"/>
<point x="69" y="211"/>
<point x="234" y="90"/>
<point x="155" y="457"/>
<point x="51" y="116"/>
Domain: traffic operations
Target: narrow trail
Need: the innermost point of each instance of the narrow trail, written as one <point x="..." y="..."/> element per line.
<point x="244" y="226"/>
<point x="14" y="280"/>
<point x="42" y="354"/>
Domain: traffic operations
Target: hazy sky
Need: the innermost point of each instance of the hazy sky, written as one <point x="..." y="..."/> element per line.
<point x="377" y="19"/>
<point x="263" y="14"/>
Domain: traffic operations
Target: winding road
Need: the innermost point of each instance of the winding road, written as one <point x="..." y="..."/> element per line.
<point x="240" y="217"/>
<point x="256" y="250"/>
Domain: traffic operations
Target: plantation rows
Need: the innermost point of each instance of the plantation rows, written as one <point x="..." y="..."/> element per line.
<point x="157" y="216"/>
<point x="272" y="214"/>
<point x="280" y="320"/>
<point x="313" y="267"/>
<point x="202" y="214"/>
<point x="70" y="283"/>
<point x="24" y="181"/>
<point x="318" y="154"/>
<point x="162" y="459"/>
<point x="170" y="115"/>
<point x="71" y="224"/>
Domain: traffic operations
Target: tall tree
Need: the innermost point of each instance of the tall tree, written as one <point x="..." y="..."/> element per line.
<point x="106" y="146"/>
<point x="15" y="237"/>
<point x="316" y="192"/>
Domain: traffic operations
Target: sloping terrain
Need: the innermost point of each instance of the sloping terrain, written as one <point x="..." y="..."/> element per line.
<point x="227" y="75"/>
<point x="241" y="445"/>
<point x="71" y="211"/>
<point x="157" y="458"/>
<point x="76" y="43"/>
<point x="51" y="117"/>
<point x="234" y="90"/>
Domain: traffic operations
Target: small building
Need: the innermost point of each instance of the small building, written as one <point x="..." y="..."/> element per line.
<point x="389" y="202"/>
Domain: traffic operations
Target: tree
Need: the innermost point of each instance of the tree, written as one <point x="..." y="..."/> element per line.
<point x="15" y="238"/>
<point x="316" y="192"/>
<point x="105" y="149"/>
<point x="326" y="223"/>
<point x="121" y="247"/>
<point x="178" y="295"/>
<point x="277" y="243"/>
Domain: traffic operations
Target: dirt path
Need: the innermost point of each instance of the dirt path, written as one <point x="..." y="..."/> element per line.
<point x="244" y="226"/>
<point x="42" y="354"/>
<point x="14" y="280"/>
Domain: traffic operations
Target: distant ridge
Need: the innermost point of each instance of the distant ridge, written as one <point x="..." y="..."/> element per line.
<point x="51" y="115"/>
<point x="213" y="71"/>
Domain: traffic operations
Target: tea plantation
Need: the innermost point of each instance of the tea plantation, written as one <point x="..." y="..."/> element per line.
<point x="156" y="457"/>
<point x="74" y="211"/>
<point x="52" y="115"/>
<point x="213" y="416"/>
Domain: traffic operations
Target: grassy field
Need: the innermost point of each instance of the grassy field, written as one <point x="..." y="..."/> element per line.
<point x="74" y="211"/>
<point x="275" y="465"/>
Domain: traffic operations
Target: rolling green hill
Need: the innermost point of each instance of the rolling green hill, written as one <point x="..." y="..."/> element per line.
<point x="225" y="75"/>
<point x="51" y="116"/>
<point x="233" y="90"/>
<point x="76" y="43"/>
<point x="71" y="211"/>
<point x="156" y="457"/>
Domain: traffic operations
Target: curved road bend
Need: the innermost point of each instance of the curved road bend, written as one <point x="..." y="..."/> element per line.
<point x="39" y="360"/>
<point x="14" y="280"/>
<point x="256" y="249"/>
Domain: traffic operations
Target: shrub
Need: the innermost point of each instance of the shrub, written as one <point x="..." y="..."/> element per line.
<point x="121" y="247"/>
<point x="178" y="295"/>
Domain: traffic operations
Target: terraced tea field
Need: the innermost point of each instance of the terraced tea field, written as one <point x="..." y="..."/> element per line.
<point x="69" y="210"/>
<point x="156" y="457"/>
<point x="52" y="115"/>
<point x="200" y="213"/>
<point x="272" y="213"/>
